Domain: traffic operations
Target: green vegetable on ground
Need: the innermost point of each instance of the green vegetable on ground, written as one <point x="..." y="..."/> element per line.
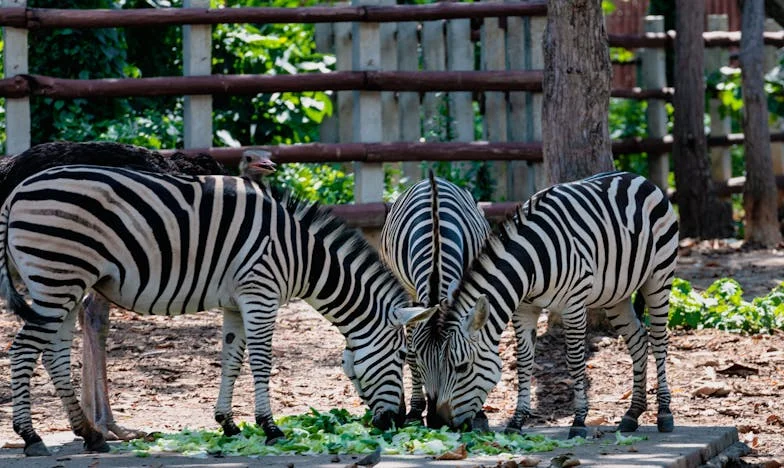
<point x="339" y="432"/>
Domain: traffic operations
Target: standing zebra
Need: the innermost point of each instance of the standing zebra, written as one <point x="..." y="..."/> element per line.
<point x="432" y="233"/>
<point x="585" y="244"/>
<point x="167" y="245"/>
<point x="95" y="316"/>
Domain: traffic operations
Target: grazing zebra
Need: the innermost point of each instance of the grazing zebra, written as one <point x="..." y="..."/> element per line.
<point x="432" y="233"/>
<point x="167" y="245"/>
<point x="585" y="244"/>
<point x="95" y="316"/>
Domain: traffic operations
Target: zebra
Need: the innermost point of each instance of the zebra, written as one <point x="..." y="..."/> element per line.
<point x="431" y="234"/>
<point x="573" y="246"/>
<point x="169" y="245"/>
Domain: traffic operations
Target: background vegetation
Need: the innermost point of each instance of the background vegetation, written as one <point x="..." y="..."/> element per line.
<point x="269" y="118"/>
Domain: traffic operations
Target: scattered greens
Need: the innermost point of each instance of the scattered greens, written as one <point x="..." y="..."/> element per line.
<point x="338" y="431"/>
<point x="627" y="440"/>
<point x="722" y="306"/>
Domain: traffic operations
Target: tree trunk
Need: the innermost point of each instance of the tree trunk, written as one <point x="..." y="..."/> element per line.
<point x="702" y="214"/>
<point x="760" y="194"/>
<point x="577" y="75"/>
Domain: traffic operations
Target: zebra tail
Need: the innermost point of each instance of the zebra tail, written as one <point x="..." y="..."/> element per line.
<point x="434" y="280"/>
<point x="14" y="301"/>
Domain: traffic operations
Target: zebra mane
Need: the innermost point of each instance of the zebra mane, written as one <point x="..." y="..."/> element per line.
<point x="321" y="222"/>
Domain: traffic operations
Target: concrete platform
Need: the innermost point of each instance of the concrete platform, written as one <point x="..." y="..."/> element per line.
<point x="685" y="448"/>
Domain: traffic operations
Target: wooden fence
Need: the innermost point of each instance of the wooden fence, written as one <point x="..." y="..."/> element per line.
<point x="411" y="86"/>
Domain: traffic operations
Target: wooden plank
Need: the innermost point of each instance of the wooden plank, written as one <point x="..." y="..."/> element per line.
<point x="325" y="44"/>
<point x="519" y="188"/>
<point x="197" y="61"/>
<point x="495" y="124"/>
<point x="17" y="110"/>
<point x="721" y="159"/>
<point x="408" y="102"/>
<point x="368" y="177"/>
<point x="460" y="57"/>
<point x="345" y="99"/>
<point x="536" y="173"/>
<point x="654" y="74"/>
<point x="434" y="59"/>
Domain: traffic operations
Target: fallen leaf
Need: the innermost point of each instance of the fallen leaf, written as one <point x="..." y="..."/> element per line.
<point x="459" y="453"/>
<point x="738" y="370"/>
<point x="771" y="464"/>
<point x="712" y="389"/>
<point x="626" y="394"/>
<point x="490" y="409"/>
<point x="774" y="419"/>
<point x="529" y="461"/>
<point x="597" y="421"/>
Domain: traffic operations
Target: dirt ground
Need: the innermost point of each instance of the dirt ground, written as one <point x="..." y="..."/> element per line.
<point x="164" y="372"/>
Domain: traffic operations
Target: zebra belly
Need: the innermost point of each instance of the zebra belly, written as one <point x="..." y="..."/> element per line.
<point x="150" y="303"/>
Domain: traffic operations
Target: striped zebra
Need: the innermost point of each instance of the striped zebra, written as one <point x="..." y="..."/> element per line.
<point x="169" y="245"/>
<point x="585" y="244"/>
<point x="432" y="233"/>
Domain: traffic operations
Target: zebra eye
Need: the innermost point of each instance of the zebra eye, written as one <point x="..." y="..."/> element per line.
<point x="462" y="368"/>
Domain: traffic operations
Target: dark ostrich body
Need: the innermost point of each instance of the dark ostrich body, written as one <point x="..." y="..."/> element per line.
<point x="95" y="310"/>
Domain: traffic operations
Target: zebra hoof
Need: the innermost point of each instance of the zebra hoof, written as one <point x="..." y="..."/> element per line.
<point x="578" y="431"/>
<point x="273" y="435"/>
<point x="414" y="417"/>
<point x="480" y="423"/>
<point x="37" y="449"/>
<point x="628" y="424"/>
<point x="100" y="447"/>
<point x="665" y="423"/>
<point x="230" y="429"/>
<point x="513" y="429"/>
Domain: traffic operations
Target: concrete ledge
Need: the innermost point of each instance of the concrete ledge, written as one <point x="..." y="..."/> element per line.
<point x="686" y="447"/>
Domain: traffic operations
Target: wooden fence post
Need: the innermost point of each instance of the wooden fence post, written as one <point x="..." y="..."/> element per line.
<point x="408" y="102"/>
<point x="715" y="58"/>
<point x="460" y="56"/>
<point x="434" y="127"/>
<point x="325" y="44"/>
<point x="495" y="124"/>
<point x="536" y="173"/>
<point x="344" y="62"/>
<point x="17" y="110"/>
<point x="516" y="29"/>
<point x="197" y="61"/>
<point x="368" y="177"/>
<point x="654" y="76"/>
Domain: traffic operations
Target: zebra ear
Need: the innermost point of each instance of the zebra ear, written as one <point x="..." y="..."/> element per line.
<point x="411" y="315"/>
<point x="477" y="318"/>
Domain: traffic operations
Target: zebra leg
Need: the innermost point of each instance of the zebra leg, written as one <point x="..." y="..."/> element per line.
<point x="524" y="322"/>
<point x="232" y="355"/>
<point x="418" y="402"/>
<point x="23" y="355"/>
<point x="624" y="320"/>
<point x="94" y="317"/>
<point x="57" y="361"/>
<point x="259" y="325"/>
<point x="575" y="322"/>
<point x="658" y="310"/>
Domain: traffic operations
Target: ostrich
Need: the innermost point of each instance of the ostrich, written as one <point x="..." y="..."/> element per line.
<point x="95" y="311"/>
<point x="255" y="164"/>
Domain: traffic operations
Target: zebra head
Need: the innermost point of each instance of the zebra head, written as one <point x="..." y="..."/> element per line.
<point x="375" y="366"/>
<point x="469" y="367"/>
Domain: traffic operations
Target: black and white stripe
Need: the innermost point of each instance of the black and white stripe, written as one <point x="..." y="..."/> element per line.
<point x="586" y="244"/>
<point x="432" y="233"/>
<point x="170" y="245"/>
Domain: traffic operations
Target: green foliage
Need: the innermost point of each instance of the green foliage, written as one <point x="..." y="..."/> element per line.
<point x="338" y="431"/>
<point x="627" y="120"/>
<point x="726" y="84"/>
<point x="722" y="306"/>
<point x="325" y="183"/>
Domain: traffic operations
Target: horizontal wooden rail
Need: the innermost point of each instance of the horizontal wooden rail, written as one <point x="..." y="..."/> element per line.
<point x="43" y="18"/>
<point x="450" y="151"/>
<point x="418" y="81"/>
<point x="373" y="215"/>
<point x="48" y="18"/>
